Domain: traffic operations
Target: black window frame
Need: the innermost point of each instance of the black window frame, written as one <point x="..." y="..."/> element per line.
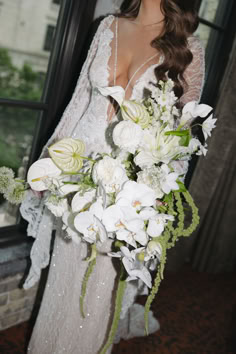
<point x="49" y="38"/>
<point x="65" y="62"/>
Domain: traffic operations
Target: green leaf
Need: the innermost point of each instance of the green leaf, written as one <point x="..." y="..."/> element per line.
<point x="182" y="187"/>
<point x="177" y="133"/>
<point x="168" y="197"/>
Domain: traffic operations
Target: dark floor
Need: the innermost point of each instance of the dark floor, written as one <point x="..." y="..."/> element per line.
<point x="197" y="313"/>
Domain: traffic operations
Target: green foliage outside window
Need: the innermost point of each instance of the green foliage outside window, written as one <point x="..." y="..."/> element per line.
<point x="17" y="124"/>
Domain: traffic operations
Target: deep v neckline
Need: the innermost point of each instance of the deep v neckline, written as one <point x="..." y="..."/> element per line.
<point x="113" y="37"/>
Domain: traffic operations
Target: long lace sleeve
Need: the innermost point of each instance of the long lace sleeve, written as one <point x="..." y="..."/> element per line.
<point x="195" y="72"/>
<point x="40" y="220"/>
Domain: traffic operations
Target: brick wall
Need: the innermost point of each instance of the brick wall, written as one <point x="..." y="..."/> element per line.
<point x="16" y="304"/>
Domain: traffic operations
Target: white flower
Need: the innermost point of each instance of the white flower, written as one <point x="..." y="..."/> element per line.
<point x="110" y="173"/>
<point x="168" y="180"/>
<point x="136" y="195"/>
<point x="6" y="179"/>
<point x="68" y="225"/>
<point x="153" y="250"/>
<point x="15" y="193"/>
<point x="134" y="268"/>
<point x="180" y="167"/>
<point x="150" y="177"/>
<point x="80" y="202"/>
<point x="208" y="125"/>
<point x="203" y="150"/>
<point x="130" y="109"/>
<point x="127" y="136"/>
<point x="40" y="171"/>
<point x="194" y="145"/>
<point x="89" y="224"/>
<point x="157" y="224"/>
<point x="66" y="154"/>
<point x="126" y="223"/>
<point x="193" y="110"/>
<point x="57" y="206"/>
<point x="158" y="148"/>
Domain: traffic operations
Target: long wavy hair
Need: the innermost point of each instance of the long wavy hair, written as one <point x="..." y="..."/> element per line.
<point x="180" y="21"/>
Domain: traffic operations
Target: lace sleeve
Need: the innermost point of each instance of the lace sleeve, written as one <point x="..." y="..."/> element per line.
<point x="40" y="220"/>
<point x="81" y="96"/>
<point x="195" y="72"/>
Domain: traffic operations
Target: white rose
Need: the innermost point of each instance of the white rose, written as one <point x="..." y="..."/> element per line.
<point x="127" y="135"/>
<point x="110" y="173"/>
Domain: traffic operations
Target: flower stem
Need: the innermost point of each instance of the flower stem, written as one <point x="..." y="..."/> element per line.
<point x="84" y="285"/>
<point x="118" y="306"/>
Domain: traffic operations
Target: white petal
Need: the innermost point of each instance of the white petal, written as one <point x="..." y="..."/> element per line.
<point x="83" y="221"/>
<point x="40" y="170"/>
<point x="116" y="92"/>
<point x="155" y="229"/>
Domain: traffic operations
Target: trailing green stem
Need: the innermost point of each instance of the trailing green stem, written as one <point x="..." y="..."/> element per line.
<point x="118" y="306"/>
<point x="84" y="285"/>
<point x="195" y="215"/>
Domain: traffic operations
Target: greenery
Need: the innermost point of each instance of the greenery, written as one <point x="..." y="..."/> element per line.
<point x="17" y="124"/>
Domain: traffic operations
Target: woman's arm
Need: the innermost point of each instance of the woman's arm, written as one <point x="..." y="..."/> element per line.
<point x="195" y="72"/>
<point x="81" y="96"/>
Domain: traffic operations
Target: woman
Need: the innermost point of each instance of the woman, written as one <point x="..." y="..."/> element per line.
<point x="148" y="40"/>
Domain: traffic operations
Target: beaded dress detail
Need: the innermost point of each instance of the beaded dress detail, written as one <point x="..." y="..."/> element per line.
<point x="59" y="327"/>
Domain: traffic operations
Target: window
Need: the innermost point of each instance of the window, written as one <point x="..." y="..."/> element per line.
<point x="216" y="30"/>
<point x="49" y="38"/>
<point x="35" y="86"/>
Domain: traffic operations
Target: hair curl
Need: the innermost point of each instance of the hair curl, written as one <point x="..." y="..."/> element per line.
<point x="180" y="21"/>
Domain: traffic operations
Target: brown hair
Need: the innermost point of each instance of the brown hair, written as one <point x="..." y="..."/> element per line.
<point x="180" y="21"/>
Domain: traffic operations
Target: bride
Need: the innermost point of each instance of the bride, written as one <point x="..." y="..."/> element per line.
<point x="149" y="40"/>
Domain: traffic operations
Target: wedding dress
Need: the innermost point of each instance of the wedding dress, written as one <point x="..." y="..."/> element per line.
<point x="59" y="327"/>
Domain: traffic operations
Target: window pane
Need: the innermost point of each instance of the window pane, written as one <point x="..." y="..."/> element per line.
<point x="26" y="39"/>
<point x="208" y="9"/>
<point x="203" y="32"/>
<point x="216" y="11"/>
<point x="16" y="133"/>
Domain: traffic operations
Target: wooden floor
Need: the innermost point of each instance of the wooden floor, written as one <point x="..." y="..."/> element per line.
<point x="196" y="311"/>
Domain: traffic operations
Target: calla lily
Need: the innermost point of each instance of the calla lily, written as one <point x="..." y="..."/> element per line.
<point x="40" y="171"/>
<point x="130" y="109"/>
<point x="66" y="154"/>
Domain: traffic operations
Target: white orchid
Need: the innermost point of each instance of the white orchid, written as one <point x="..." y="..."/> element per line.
<point x="80" y="202"/>
<point x="89" y="224"/>
<point x="127" y="136"/>
<point x="110" y="173"/>
<point x="193" y="110"/>
<point x="136" y="195"/>
<point x="203" y="150"/>
<point x="156" y="224"/>
<point x="126" y="223"/>
<point x="134" y="268"/>
<point x="208" y="125"/>
<point x="168" y="179"/>
<point x="66" y="154"/>
<point x="58" y="206"/>
<point x="41" y="171"/>
<point x="68" y="226"/>
<point x="153" y="250"/>
<point x="130" y="109"/>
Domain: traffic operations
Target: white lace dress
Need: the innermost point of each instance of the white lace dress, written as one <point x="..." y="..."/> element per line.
<point x="59" y="327"/>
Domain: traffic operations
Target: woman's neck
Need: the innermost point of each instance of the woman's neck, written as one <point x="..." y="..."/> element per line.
<point x="150" y="12"/>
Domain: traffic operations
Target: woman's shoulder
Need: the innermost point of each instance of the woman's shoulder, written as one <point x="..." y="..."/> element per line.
<point x="195" y="44"/>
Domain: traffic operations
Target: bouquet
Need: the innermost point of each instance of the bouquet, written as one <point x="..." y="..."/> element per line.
<point x="134" y="196"/>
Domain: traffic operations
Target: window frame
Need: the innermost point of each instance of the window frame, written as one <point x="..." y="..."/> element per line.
<point x="64" y="65"/>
